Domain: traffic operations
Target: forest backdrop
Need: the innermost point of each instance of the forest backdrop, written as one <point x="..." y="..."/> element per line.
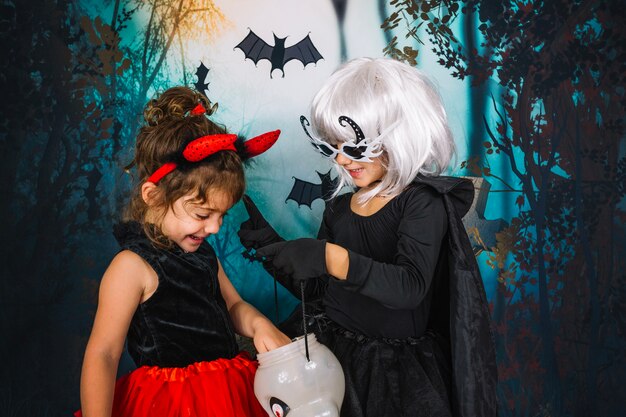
<point x="536" y="96"/>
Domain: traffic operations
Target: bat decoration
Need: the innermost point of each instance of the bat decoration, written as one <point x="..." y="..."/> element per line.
<point x="304" y="192"/>
<point x="475" y="220"/>
<point x="257" y="49"/>
<point x="201" y="73"/>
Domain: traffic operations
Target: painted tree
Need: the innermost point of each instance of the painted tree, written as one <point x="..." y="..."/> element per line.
<point x="52" y="133"/>
<point x="193" y="19"/>
<point x="340" y="11"/>
<point x="558" y="123"/>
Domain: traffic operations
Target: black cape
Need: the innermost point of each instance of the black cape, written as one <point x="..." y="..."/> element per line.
<point x="462" y="308"/>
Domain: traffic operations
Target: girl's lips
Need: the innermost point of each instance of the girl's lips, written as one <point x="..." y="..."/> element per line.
<point x="196" y="238"/>
<point x="355" y="173"/>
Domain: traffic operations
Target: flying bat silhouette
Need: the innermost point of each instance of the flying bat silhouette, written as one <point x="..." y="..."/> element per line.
<point x="304" y="192"/>
<point x="201" y="73"/>
<point x="257" y="49"/>
<point x="202" y="87"/>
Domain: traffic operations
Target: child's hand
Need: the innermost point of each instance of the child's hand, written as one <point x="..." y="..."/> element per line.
<point x="300" y="259"/>
<point x="267" y="337"/>
<point x="256" y="231"/>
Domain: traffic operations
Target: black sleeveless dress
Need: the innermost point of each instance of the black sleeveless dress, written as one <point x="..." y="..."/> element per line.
<point x="182" y="340"/>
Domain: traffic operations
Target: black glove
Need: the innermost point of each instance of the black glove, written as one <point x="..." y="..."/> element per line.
<point x="256" y="231"/>
<point x="300" y="259"/>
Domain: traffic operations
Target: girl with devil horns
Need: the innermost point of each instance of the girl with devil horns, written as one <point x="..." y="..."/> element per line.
<point x="401" y="301"/>
<point x="166" y="290"/>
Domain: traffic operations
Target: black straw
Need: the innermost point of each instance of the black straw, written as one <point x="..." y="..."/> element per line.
<point x="276" y="300"/>
<point x="306" y="341"/>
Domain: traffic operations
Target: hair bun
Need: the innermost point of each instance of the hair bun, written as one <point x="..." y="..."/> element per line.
<point x="176" y="103"/>
<point x="156" y="112"/>
<point x="152" y="113"/>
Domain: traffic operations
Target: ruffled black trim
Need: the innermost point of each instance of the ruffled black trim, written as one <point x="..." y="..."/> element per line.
<point x="125" y="232"/>
<point x="459" y="190"/>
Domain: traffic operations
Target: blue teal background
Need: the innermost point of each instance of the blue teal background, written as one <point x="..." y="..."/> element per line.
<point x="535" y="94"/>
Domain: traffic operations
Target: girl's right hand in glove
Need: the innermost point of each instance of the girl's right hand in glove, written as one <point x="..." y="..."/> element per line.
<point x="256" y="231"/>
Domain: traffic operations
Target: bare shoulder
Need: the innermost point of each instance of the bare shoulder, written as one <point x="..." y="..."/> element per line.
<point x="123" y="287"/>
<point x="128" y="259"/>
<point x="130" y="270"/>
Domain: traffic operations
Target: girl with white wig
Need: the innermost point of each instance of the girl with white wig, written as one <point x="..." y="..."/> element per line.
<point x="400" y="298"/>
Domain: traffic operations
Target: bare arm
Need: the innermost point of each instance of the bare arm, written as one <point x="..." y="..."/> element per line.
<point x="337" y="261"/>
<point x="121" y="290"/>
<point x="248" y="320"/>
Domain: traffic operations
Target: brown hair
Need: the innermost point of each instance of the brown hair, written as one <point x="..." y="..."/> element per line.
<point x="169" y="126"/>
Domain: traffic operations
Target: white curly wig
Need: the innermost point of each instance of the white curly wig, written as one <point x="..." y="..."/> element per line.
<point x="376" y="93"/>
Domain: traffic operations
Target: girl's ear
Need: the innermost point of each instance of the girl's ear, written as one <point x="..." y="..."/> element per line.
<point x="147" y="192"/>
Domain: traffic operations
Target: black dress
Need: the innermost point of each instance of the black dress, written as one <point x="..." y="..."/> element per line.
<point x="183" y="341"/>
<point x="186" y="319"/>
<point x="410" y="324"/>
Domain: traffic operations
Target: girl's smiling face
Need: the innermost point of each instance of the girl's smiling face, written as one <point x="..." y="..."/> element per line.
<point x="188" y="222"/>
<point x="363" y="173"/>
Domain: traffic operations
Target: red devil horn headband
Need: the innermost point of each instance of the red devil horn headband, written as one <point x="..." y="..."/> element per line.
<point x="205" y="146"/>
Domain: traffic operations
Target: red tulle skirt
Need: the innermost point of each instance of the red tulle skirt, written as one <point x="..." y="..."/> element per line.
<point x="220" y="388"/>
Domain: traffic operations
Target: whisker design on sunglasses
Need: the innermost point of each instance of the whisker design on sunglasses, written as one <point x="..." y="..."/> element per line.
<point x="361" y="149"/>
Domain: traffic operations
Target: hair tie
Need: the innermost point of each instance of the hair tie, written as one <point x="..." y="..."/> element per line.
<point x="198" y="110"/>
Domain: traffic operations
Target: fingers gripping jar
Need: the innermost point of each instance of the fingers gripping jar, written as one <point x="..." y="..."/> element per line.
<point x="287" y="385"/>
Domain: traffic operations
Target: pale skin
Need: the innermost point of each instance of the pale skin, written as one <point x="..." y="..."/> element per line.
<point x="364" y="175"/>
<point x="129" y="281"/>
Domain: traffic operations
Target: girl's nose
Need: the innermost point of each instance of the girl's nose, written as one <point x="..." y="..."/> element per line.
<point x="212" y="225"/>
<point x="341" y="159"/>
